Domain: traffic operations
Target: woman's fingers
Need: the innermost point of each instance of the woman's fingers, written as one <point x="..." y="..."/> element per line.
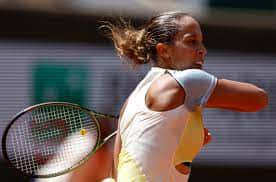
<point x="207" y="136"/>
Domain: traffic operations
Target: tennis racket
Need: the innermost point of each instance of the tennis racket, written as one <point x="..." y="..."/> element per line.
<point x="54" y="138"/>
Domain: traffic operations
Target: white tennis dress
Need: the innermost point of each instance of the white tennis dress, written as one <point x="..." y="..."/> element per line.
<point x="153" y="143"/>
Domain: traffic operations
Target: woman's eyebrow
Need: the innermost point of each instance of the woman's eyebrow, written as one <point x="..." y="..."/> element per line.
<point x="192" y="35"/>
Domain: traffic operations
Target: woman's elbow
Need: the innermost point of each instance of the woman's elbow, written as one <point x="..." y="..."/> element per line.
<point x="260" y="101"/>
<point x="264" y="100"/>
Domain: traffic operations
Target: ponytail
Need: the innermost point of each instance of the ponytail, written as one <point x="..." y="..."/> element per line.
<point x="130" y="43"/>
<point x="139" y="45"/>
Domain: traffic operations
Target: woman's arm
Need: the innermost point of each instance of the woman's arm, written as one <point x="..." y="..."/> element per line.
<point x="118" y="143"/>
<point x="117" y="149"/>
<point x="238" y="96"/>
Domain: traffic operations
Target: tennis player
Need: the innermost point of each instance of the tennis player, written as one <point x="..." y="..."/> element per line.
<point x="160" y="127"/>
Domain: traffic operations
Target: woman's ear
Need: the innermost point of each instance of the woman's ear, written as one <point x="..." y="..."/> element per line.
<point x="163" y="51"/>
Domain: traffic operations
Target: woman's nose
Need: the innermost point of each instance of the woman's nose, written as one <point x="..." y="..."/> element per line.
<point x="202" y="51"/>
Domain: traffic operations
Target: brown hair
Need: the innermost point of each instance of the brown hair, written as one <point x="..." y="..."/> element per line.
<point x="139" y="45"/>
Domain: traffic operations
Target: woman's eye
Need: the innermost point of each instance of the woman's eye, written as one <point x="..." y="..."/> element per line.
<point x="192" y="42"/>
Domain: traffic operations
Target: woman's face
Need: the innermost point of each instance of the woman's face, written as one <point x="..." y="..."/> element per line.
<point x="188" y="50"/>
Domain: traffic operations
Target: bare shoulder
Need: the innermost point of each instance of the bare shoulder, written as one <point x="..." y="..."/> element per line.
<point x="164" y="94"/>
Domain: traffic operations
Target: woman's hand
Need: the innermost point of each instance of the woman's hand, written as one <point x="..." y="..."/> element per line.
<point x="207" y="136"/>
<point x="183" y="169"/>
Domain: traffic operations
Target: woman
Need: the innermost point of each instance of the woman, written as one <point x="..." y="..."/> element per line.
<point x="160" y="128"/>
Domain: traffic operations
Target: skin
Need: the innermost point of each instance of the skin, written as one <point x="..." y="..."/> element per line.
<point x="97" y="168"/>
<point x="187" y="51"/>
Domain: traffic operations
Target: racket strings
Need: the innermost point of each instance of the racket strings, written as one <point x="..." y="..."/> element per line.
<point x="47" y="140"/>
<point x="45" y="152"/>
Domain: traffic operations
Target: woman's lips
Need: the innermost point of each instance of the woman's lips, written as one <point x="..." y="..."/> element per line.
<point x="198" y="64"/>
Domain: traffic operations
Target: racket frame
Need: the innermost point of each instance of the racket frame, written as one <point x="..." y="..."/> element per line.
<point x="99" y="143"/>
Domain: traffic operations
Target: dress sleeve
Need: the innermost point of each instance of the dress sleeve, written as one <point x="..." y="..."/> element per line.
<point x="197" y="84"/>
